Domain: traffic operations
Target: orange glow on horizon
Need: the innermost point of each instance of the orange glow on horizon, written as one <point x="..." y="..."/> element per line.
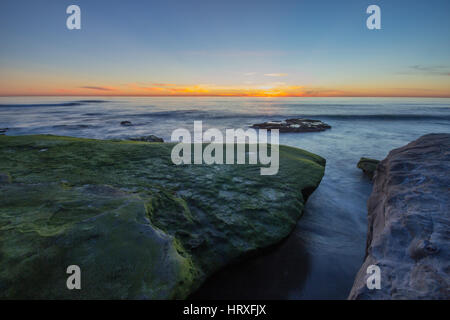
<point x="174" y="90"/>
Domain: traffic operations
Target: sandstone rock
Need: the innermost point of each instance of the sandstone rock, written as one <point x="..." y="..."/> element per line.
<point x="294" y="125"/>
<point x="368" y="166"/>
<point x="409" y="223"/>
<point x="138" y="226"/>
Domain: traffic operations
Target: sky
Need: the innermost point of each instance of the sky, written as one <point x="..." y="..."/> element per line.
<point x="225" y="48"/>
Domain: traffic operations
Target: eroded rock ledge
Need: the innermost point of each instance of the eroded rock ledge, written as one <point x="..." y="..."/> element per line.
<point x="138" y="226"/>
<point x="409" y="223"/>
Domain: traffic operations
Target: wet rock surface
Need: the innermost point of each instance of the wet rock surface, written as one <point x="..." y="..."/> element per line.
<point x="150" y="138"/>
<point x="138" y="226"/>
<point x="409" y="223"/>
<point x="368" y="166"/>
<point x="294" y="125"/>
<point x="126" y="123"/>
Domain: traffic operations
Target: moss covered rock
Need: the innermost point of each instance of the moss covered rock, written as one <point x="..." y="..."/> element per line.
<point x="368" y="166"/>
<point x="138" y="226"/>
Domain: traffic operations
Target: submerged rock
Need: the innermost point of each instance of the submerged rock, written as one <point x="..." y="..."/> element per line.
<point x="138" y="226"/>
<point x="409" y="218"/>
<point x="126" y="123"/>
<point x="294" y="125"/>
<point x="368" y="166"/>
<point x="150" y="138"/>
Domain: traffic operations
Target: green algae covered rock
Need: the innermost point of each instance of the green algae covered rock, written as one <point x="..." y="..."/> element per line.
<point x="138" y="226"/>
<point x="368" y="166"/>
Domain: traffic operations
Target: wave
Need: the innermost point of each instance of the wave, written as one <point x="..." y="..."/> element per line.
<point x="198" y="114"/>
<point x="389" y="117"/>
<point x="72" y="126"/>
<point x="62" y="104"/>
<point x="94" y="114"/>
<point x="65" y="104"/>
<point x="90" y="101"/>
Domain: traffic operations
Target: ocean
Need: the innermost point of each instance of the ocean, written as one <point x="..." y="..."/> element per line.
<point x="320" y="258"/>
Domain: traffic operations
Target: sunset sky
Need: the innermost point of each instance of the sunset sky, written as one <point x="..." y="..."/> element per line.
<point x="225" y="48"/>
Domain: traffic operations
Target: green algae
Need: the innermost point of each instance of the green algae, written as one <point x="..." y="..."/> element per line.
<point x="138" y="226"/>
<point x="368" y="166"/>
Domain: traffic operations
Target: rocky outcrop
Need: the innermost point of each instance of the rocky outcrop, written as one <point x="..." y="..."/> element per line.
<point x="409" y="223"/>
<point x="126" y="123"/>
<point x="150" y="138"/>
<point x="294" y="125"/>
<point x="138" y="226"/>
<point x="368" y="166"/>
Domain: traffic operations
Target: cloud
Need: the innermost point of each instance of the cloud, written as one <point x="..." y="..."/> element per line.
<point x="236" y="53"/>
<point x="276" y="74"/>
<point x="164" y="84"/>
<point x="98" y="88"/>
<point x="172" y="89"/>
<point x="249" y="73"/>
<point x="438" y="70"/>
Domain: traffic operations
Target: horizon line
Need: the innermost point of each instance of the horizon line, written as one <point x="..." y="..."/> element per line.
<point x="221" y="96"/>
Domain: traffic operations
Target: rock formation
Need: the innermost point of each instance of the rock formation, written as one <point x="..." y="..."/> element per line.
<point x="126" y="123"/>
<point x="138" y="226"/>
<point x="409" y="223"/>
<point x="150" y="138"/>
<point x="294" y="125"/>
<point x="368" y="166"/>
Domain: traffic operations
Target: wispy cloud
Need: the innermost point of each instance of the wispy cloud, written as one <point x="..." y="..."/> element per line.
<point x="236" y="53"/>
<point x="97" y="88"/>
<point x="276" y="74"/>
<point x="164" y="84"/>
<point x="272" y="87"/>
<point x="437" y="70"/>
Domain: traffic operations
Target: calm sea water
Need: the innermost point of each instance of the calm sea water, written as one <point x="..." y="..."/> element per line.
<point x="321" y="257"/>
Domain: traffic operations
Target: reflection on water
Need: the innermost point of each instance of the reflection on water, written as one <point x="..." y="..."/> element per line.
<point x="322" y="255"/>
<point x="272" y="275"/>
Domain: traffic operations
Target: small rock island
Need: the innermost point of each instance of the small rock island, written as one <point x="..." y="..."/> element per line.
<point x="149" y="138"/>
<point x="294" y="125"/>
<point x="368" y="166"/>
